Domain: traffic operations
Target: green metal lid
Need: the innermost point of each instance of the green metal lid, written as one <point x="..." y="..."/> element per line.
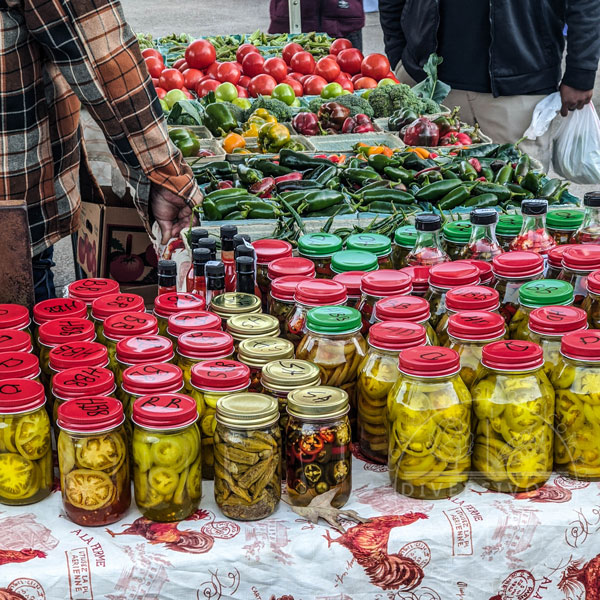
<point x="333" y="319"/>
<point x="319" y="244"/>
<point x="376" y="243"/>
<point x="457" y="231"/>
<point x="546" y="292"/>
<point x="509" y="225"/>
<point x="406" y="236"/>
<point x="564" y="218"/>
<point x="353" y="260"/>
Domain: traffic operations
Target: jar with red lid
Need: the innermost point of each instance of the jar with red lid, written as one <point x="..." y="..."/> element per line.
<point x="93" y="460"/>
<point x="486" y="275"/>
<point x="266" y="252"/>
<point x="420" y="279"/>
<point x="211" y="380"/>
<point x="377" y="374"/>
<point x="15" y="340"/>
<point x="15" y="316"/>
<point x="19" y="365"/>
<point x="284" y="267"/>
<point x="513" y="404"/>
<point x="511" y="271"/>
<point x="173" y="303"/>
<point x="534" y="236"/>
<point x="124" y="325"/>
<point x="87" y="290"/>
<point x="76" y="354"/>
<point x="281" y="296"/>
<point x="57" y="308"/>
<point x="578" y="262"/>
<point x="443" y="278"/>
<point x="591" y="304"/>
<point x="351" y="280"/>
<point x="555" y="255"/>
<point x="141" y="350"/>
<point x="113" y="304"/>
<point x="429" y="424"/>
<point x="166" y="452"/>
<point x="319" y="248"/>
<point x="310" y="294"/>
<point x="26" y="449"/>
<point x="468" y="332"/>
<point x="376" y="243"/>
<point x="192" y="321"/>
<point x="256" y="353"/>
<point x="428" y="249"/>
<point x="406" y="308"/>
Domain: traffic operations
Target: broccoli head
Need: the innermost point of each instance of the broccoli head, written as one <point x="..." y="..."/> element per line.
<point x="280" y="110"/>
<point x="236" y="111"/>
<point x="387" y="99"/>
<point x="357" y="104"/>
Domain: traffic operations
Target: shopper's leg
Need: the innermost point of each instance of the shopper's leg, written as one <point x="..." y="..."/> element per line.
<point x="356" y="38"/>
<point x="43" y="278"/>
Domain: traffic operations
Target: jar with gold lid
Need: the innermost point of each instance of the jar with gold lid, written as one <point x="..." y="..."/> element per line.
<point x="257" y="352"/>
<point x="243" y="327"/>
<point x="230" y="304"/>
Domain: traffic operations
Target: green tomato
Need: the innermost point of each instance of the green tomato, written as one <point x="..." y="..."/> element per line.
<point x="332" y="90"/>
<point x="174" y="96"/>
<point x="243" y="103"/>
<point x="284" y="92"/>
<point x="226" y="92"/>
<point x="166" y="108"/>
<point x="386" y="81"/>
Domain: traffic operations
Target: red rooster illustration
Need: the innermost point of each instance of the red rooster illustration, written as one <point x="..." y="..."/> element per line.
<point x="368" y="544"/>
<point x="6" y="594"/>
<point x="547" y="493"/>
<point x="20" y="556"/>
<point x="578" y="575"/>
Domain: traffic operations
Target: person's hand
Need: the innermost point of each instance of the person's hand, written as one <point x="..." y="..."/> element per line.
<point x="170" y="211"/>
<point x="573" y="99"/>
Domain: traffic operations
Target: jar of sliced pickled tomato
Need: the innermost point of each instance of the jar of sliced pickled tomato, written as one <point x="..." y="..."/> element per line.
<point x="286" y="267"/>
<point x="247" y="327"/>
<point x="429" y="424"/>
<point x="351" y="280"/>
<point x="19" y="365"/>
<point x="591" y="304"/>
<point x="266" y="252"/>
<point x="353" y="260"/>
<point x="375" y="243"/>
<point x="93" y="460"/>
<point x="281" y="296"/>
<point x="404" y="241"/>
<point x="173" y="303"/>
<point x="406" y="308"/>
<point x="554" y="267"/>
<point x="87" y="290"/>
<point x="26" y="449"/>
<point x="76" y="354"/>
<point x="124" y="325"/>
<point x="113" y="304"/>
<point x="15" y="316"/>
<point x="57" y="308"/>
<point x="513" y="404"/>
<point x="15" y="340"/>
<point x="508" y="229"/>
<point x="420" y="279"/>
<point x="319" y="248"/>
<point x="256" y="353"/>
<point x="192" y="321"/>
<point x="166" y="453"/>
<point x="578" y="262"/>
<point x="562" y="223"/>
<point x="482" y="244"/>
<point x="456" y="235"/>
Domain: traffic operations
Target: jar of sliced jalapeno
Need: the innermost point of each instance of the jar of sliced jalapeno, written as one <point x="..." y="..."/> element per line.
<point x="591" y="304"/>
<point x="353" y="260"/>
<point x="286" y="267"/>
<point x="142" y="350"/>
<point x="375" y="243"/>
<point x="246" y="327"/>
<point x="166" y="452"/>
<point x="577" y="263"/>
<point x="281" y="296"/>
<point x="351" y="280"/>
<point x="377" y="374"/>
<point x="87" y="290"/>
<point x="562" y="223"/>
<point x="555" y="267"/>
<point x="266" y="252"/>
<point x="19" y="365"/>
<point x="15" y="340"/>
<point x="247" y="456"/>
<point x="76" y="354"/>
<point x="456" y="235"/>
<point x="25" y="444"/>
<point x="93" y="460"/>
<point x="429" y="424"/>
<point x="192" y="321"/>
<point x="319" y="248"/>
<point x="173" y="303"/>
<point x="420" y="279"/>
<point x="513" y="403"/>
<point x="406" y="308"/>
<point x="125" y="325"/>
<point x="113" y="304"/>
<point x="508" y="229"/>
<point x="404" y="241"/>
<point x="15" y="316"/>
<point x="256" y="353"/>
<point x="230" y="304"/>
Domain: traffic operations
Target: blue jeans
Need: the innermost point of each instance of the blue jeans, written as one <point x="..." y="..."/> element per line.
<point x="43" y="278"/>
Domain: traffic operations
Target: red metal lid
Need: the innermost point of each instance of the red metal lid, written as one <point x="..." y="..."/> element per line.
<point x="291" y="266"/>
<point x="397" y="335"/>
<point x="59" y="308"/>
<point x="453" y="274"/>
<point x="593" y="282"/>
<point x="90" y="414"/>
<point x="351" y="280"/>
<point x="582" y="345"/>
<point x="14" y="316"/>
<point x="55" y="333"/>
<point x="556" y="320"/>
<point x="78" y="354"/>
<point x="155" y="378"/>
<point x="582" y="257"/>
<point x="429" y="361"/>
<point x="320" y="292"/>
<point x="205" y="345"/>
<point x="15" y="340"/>
<point x="555" y="255"/>
<point x="419" y="277"/>
<point x="476" y="325"/>
<point x="270" y="250"/>
<point x="485" y="270"/>
<point x="284" y="288"/>
<point x="88" y="290"/>
<point x="140" y="349"/>
<point x="123" y="325"/>
<point x="20" y="395"/>
<point x="166" y="305"/>
<point x="19" y="364"/>
<point x="386" y="282"/>
<point x="517" y="264"/>
<point x="512" y="355"/>
<point x="80" y="382"/>
<point x="221" y="375"/>
<point x="472" y="297"/>
<point x="402" y="308"/>
<point x="113" y="304"/>
<point x="164" y="411"/>
<point x="193" y="320"/>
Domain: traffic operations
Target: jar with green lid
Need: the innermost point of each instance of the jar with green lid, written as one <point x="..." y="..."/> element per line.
<point x="141" y="350"/>
<point x="125" y="325"/>
<point x="166" y="453"/>
<point x="19" y="365"/>
<point x="281" y="296"/>
<point x="76" y="354"/>
<point x="247" y="456"/>
<point x="591" y="304"/>
<point x="353" y="260"/>
<point x="320" y="247"/>
<point x="256" y="353"/>
<point x="456" y="235"/>
<point x="562" y="223"/>
<point x="507" y="229"/>
<point x="406" y="308"/>
<point x="172" y="303"/>
<point x="375" y="243"/>
<point x="533" y="294"/>
<point x="192" y="321"/>
<point x="15" y="316"/>
<point x="578" y="261"/>
<point x="377" y="374"/>
<point x="404" y="241"/>
<point x="266" y="252"/>
<point x="113" y="304"/>
<point x="245" y="327"/>
<point x="318" y="453"/>
<point x="230" y="304"/>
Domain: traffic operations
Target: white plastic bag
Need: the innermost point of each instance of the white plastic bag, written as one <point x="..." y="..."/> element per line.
<point x="543" y="115"/>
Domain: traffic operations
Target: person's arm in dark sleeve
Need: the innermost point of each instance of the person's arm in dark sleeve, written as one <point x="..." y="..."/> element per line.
<point x="390" y="14"/>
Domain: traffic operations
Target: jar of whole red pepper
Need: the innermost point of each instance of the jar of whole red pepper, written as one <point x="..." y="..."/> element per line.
<point x="428" y="249"/>
<point x="533" y="236"/>
<point x="554" y="267"/>
<point x="578" y="262"/>
<point x="589" y="230"/>
<point x="15" y="316"/>
<point x="281" y="296"/>
<point x="113" y="304"/>
<point x="173" y="303"/>
<point x="351" y="280"/>
<point x="353" y="260"/>
<point x="19" y="365"/>
<point x="57" y="308"/>
<point x="141" y="350"/>
<point x="482" y="244"/>
<point x="76" y="354"/>
<point x="562" y="223"/>
<point x="591" y="304"/>
<point x="15" y="340"/>
<point x="507" y="229"/>
<point x="87" y="290"/>
<point x="404" y="241"/>
<point x="266" y="252"/>
<point x="125" y="325"/>
<point x="319" y="248"/>
<point x="256" y="353"/>
<point x="190" y="321"/>
<point x="285" y="267"/>
<point x="456" y="235"/>
<point x="375" y="243"/>
<point x="420" y="279"/>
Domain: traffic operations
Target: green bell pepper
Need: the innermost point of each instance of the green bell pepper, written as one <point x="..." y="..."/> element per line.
<point x="219" y="119"/>
<point x="187" y="141"/>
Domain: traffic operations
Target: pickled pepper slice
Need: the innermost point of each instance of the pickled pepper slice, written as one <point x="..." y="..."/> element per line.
<point x="170" y="451"/>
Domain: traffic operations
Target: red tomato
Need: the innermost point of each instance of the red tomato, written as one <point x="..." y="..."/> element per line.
<point x="350" y="60"/>
<point x="252" y="64"/>
<point x="148" y="52"/>
<point x="177" y="64"/>
<point x="295" y="85"/>
<point x="327" y="68"/>
<point x="355" y="78"/>
<point x="303" y="62"/>
<point x="229" y="71"/>
<point x="289" y="50"/>
<point x="155" y="82"/>
<point x="346" y="84"/>
<point x="376" y="66"/>
<point x="391" y="75"/>
<point x="295" y="75"/>
<point x="200" y="54"/>
<point x="191" y="77"/>
<point x="261" y="85"/>
<point x="364" y="83"/>
<point x="155" y="66"/>
<point x="244" y="81"/>
<point x="171" y="79"/>
<point x="208" y="85"/>
<point x="187" y="93"/>
<point x="314" y="84"/>
<point x="160" y="92"/>
<point x="276" y="68"/>
<point x="212" y="70"/>
<point x="242" y="91"/>
<point x="243" y="50"/>
<point x="304" y="78"/>
<point x="338" y="45"/>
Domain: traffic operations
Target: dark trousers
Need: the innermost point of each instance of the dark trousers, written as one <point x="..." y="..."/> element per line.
<point x="43" y="278"/>
<point x="356" y="38"/>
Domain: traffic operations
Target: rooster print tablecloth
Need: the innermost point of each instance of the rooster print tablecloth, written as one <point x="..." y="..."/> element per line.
<point x="479" y="545"/>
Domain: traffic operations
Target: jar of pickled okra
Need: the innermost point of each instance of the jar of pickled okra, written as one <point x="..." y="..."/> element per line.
<point x="319" y="248"/>
<point x="591" y="304"/>
<point x="375" y="243"/>
<point x="353" y="260"/>
<point x="406" y="308"/>
<point x="578" y="262"/>
<point x="562" y="223"/>
<point x="124" y="325"/>
<point x="533" y="294"/>
<point x="15" y="340"/>
<point x="420" y="279"/>
<point x="511" y="271"/>
<point x="405" y="238"/>
<point x="376" y="376"/>
<point x="166" y="456"/>
<point x="266" y="252"/>
<point x="247" y="327"/>
<point x="319" y="458"/>
<point x="351" y="280"/>
<point x="141" y="350"/>
<point x="230" y="304"/>
<point x="15" y="316"/>
<point x="93" y="460"/>
<point x="555" y="266"/>
<point x="173" y="303"/>
<point x="19" y="365"/>
<point x="26" y="448"/>
<point x="256" y="353"/>
<point x="513" y="404"/>
<point x="247" y="456"/>
<point x="290" y="266"/>
<point x="456" y="235"/>
<point x="76" y="354"/>
<point x="113" y="304"/>
<point x="87" y="290"/>
<point x="281" y="296"/>
<point x="468" y="332"/>
<point x="507" y="229"/>
<point x="429" y="424"/>
<point x="192" y="321"/>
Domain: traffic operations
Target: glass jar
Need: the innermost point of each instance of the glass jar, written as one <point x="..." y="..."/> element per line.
<point x="113" y="304"/>
<point x="319" y="248"/>
<point x="482" y="244"/>
<point x="173" y="303"/>
<point x="256" y="353"/>
<point x="192" y="321"/>
<point x="562" y="223"/>
<point x="318" y="453"/>
<point x="456" y="235"/>
<point x="513" y="404"/>
<point x="87" y="290"/>
<point x="141" y="350"/>
<point x="166" y="453"/>
<point x="351" y="280"/>
<point x="76" y="354"/>
<point x="353" y="260"/>
<point x="57" y="308"/>
<point x="375" y="243"/>
<point x="589" y="231"/>
<point x="428" y="250"/>
<point x="125" y="325"/>
<point x="404" y="241"/>
<point x="533" y="236"/>
<point x="247" y="456"/>
<point x="577" y="431"/>
<point x="19" y="365"/>
<point x="211" y="380"/>
<point x="266" y="252"/>
<point x="508" y="229"/>
<point x="578" y="262"/>
<point x="15" y="340"/>
<point x="555" y="256"/>
<point x="281" y="296"/>
<point x="15" y="316"/>
<point x="377" y="374"/>
<point x="246" y="327"/>
<point x="486" y="275"/>
<point x="533" y="294"/>
<point x="420" y="279"/>
<point x="230" y="304"/>
<point x="511" y="271"/>
<point x="429" y="424"/>
<point x="406" y="308"/>
<point x="591" y="304"/>
<point x="93" y="460"/>
<point x="291" y="266"/>
<point x="26" y="450"/>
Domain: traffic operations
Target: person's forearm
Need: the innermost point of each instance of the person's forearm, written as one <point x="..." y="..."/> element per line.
<point x="390" y="15"/>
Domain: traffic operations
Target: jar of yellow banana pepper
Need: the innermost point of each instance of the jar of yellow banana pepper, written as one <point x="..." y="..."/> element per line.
<point x="406" y="308"/>
<point x="351" y="280"/>
<point x="513" y="404"/>
<point x="591" y="304"/>
<point x="15" y="316"/>
<point x="15" y="340"/>
<point x="420" y="279"/>
<point x="57" y="308"/>
<point x="113" y="304"/>
<point x="142" y="350"/>
<point x="166" y="453"/>
<point x="247" y="327"/>
<point x="76" y="354"/>
<point x="173" y="303"/>
<point x="125" y="325"/>
<point x="256" y="353"/>
<point x="19" y="365"/>
<point x="192" y="321"/>
<point x="87" y="290"/>
<point x="377" y="375"/>
<point x="429" y="424"/>
<point x="375" y="243"/>
<point x="578" y="262"/>
<point x="229" y="304"/>
<point x="267" y="251"/>
<point x="281" y="296"/>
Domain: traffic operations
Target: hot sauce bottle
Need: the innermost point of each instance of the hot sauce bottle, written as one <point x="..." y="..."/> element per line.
<point x="167" y="276"/>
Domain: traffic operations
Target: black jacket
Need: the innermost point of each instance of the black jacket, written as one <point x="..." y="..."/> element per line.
<point x="527" y="41"/>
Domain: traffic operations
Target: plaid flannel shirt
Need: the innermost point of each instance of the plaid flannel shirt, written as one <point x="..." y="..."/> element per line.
<point x="56" y="55"/>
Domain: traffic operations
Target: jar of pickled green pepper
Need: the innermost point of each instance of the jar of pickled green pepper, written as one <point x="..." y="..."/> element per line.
<point x="562" y="223"/>
<point x="76" y="354"/>
<point x="141" y="350"/>
<point x="15" y="340"/>
<point x="577" y="263"/>
<point x="15" y="316"/>
<point x="319" y="248"/>
<point x="19" y="365"/>
<point x="351" y="280"/>
<point x="353" y="260"/>
<point x="256" y="353"/>
<point x="173" y="303"/>
<point x="375" y="243"/>
<point x="266" y="252"/>
<point x="57" y="308"/>
<point x="281" y="296"/>
<point x="406" y="308"/>
<point x="507" y="229"/>
<point x="420" y="279"/>
<point x="124" y="325"/>
<point x="591" y="304"/>
<point x="456" y="235"/>
<point x="230" y="304"/>
<point x="87" y="290"/>
<point x="192" y="321"/>
<point x="113" y="304"/>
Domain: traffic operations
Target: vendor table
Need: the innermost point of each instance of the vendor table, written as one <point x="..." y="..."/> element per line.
<point x="479" y="545"/>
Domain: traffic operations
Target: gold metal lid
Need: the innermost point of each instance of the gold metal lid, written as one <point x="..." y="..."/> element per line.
<point x="253" y="325"/>
<point x="320" y="402"/>
<point x="235" y="303"/>
<point x="287" y="375"/>
<point x="247" y="411"/>
<point x="256" y="352"/>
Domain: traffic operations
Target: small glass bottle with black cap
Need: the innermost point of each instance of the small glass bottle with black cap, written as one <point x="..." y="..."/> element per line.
<point x="428" y="250"/>
<point x="245" y="274"/>
<point x="589" y="231"/>
<point x="483" y="244"/>
<point x="197" y="234"/>
<point x="211" y="244"/>
<point x="241" y="239"/>
<point x="215" y="280"/>
<point x="534" y="236"/>
<point x="198" y="285"/>
<point x="167" y="276"/>
<point x="227" y="255"/>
